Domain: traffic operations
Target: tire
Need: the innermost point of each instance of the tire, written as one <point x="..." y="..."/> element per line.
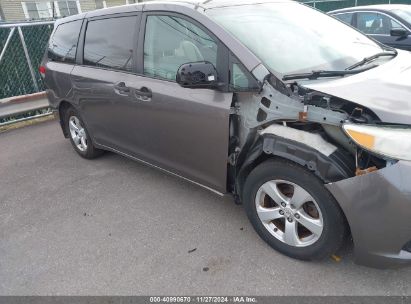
<point x="83" y="145"/>
<point x="303" y="201"/>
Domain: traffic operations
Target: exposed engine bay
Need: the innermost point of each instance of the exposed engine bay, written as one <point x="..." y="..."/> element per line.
<point x="294" y="115"/>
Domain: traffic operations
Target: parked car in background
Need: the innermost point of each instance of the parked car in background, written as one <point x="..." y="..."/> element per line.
<point x="389" y="24"/>
<point x="303" y="119"/>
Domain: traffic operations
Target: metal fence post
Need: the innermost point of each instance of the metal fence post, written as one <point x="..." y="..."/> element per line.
<point x="26" y="52"/>
<point x="7" y="43"/>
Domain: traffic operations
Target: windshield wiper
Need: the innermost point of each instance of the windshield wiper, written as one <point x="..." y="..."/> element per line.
<point x="391" y="52"/>
<point x="316" y="74"/>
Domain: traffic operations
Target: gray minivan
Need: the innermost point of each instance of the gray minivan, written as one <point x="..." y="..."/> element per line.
<point x="301" y="118"/>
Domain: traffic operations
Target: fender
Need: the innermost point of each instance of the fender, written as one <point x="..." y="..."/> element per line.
<point x="61" y="108"/>
<point x="333" y="166"/>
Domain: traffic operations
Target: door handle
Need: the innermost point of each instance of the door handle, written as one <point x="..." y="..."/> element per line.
<point x="144" y="94"/>
<point x="121" y="88"/>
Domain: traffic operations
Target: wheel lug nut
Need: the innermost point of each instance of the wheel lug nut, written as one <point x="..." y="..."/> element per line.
<point x="283" y="204"/>
<point x="290" y="219"/>
<point x="281" y="212"/>
<point x="297" y="216"/>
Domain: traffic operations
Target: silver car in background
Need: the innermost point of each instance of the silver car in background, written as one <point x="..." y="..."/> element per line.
<point x="301" y="118"/>
<point x="389" y="24"/>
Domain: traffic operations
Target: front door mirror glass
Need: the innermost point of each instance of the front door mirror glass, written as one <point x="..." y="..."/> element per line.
<point x="197" y="75"/>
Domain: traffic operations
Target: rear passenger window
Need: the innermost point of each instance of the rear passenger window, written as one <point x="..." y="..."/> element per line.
<point x="171" y="41"/>
<point x="63" y="43"/>
<point x="109" y="43"/>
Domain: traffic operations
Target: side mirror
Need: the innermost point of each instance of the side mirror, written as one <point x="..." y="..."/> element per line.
<point x="201" y="74"/>
<point x="399" y="32"/>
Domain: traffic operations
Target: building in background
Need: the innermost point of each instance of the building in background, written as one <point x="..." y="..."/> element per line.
<point x="15" y="10"/>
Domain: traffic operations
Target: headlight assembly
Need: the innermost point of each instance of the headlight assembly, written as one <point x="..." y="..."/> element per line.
<point x="386" y="140"/>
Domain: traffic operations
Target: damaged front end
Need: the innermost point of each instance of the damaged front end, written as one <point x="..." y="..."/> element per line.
<point x="304" y="126"/>
<point x="318" y="131"/>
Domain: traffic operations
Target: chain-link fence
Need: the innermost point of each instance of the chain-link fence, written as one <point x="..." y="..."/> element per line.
<point x="329" y="5"/>
<point x="22" y="49"/>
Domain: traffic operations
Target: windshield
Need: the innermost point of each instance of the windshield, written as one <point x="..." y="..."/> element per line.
<point x="404" y="14"/>
<point x="289" y="37"/>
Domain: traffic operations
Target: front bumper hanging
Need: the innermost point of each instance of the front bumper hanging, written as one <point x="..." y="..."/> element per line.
<point x="378" y="209"/>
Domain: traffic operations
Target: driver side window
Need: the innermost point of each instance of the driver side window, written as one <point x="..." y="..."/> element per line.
<point x="172" y="41"/>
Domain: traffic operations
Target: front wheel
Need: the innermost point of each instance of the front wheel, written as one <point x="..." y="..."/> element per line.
<point x="292" y="211"/>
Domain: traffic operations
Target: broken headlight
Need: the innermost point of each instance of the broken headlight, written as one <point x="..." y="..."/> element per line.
<point x="385" y="140"/>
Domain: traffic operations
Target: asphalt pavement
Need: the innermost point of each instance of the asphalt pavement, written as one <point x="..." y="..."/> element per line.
<point x="112" y="226"/>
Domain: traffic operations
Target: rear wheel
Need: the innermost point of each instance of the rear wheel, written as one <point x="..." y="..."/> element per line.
<point x="292" y="211"/>
<point x="79" y="136"/>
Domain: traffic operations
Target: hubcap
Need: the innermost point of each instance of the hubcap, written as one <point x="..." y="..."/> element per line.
<point x="289" y="213"/>
<point x="78" y="134"/>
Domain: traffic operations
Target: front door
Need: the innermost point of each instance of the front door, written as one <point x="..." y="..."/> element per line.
<point x="185" y="131"/>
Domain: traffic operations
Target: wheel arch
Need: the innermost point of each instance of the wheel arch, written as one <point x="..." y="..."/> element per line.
<point x="62" y="108"/>
<point x="337" y="166"/>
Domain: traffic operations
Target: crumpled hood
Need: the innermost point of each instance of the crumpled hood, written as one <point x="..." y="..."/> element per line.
<point x="386" y="89"/>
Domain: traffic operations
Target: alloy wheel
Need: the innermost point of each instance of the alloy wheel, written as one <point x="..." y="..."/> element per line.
<point x="289" y="213"/>
<point x="78" y="133"/>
